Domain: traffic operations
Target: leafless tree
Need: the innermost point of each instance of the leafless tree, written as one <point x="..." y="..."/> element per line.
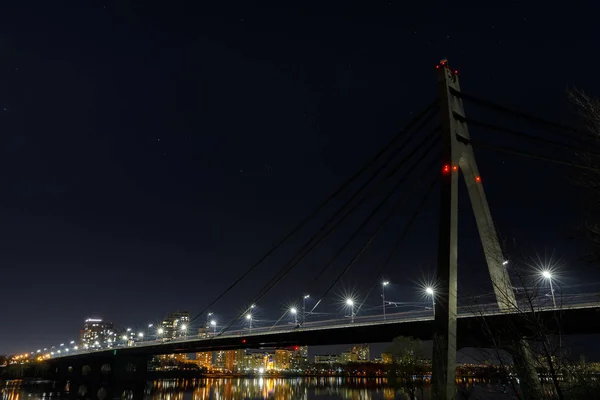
<point x="535" y="341"/>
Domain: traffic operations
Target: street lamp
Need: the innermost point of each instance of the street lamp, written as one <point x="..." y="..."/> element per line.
<point x="249" y="319"/>
<point x="548" y="275"/>
<point x="141" y="336"/>
<point x="208" y="319"/>
<point x="306" y="296"/>
<point x="213" y="323"/>
<point x="383" y="285"/>
<point x="429" y="291"/>
<point x="350" y="303"/>
<point x="184" y="328"/>
<point x="294" y="312"/>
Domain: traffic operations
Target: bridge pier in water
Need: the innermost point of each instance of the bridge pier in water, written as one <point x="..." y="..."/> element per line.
<point x="102" y="377"/>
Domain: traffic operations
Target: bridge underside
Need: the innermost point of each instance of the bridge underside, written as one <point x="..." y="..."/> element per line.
<point x="472" y="332"/>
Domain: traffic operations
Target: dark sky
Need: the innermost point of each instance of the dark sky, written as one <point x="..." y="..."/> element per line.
<point x="153" y="151"/>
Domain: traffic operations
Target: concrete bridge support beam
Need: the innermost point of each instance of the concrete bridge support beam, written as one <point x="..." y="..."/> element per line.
<point x="458" y="157"/>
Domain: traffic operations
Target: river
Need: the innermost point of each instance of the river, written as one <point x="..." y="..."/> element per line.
<point x="258" y="388"/>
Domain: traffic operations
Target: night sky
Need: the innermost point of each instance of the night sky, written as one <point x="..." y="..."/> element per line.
<point x="152" y="152"/>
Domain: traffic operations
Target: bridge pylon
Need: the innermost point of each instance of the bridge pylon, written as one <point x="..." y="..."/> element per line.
<point x="457" y="158"/>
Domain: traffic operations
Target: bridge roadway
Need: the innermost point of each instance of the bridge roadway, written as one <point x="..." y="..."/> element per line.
<point x="580" y="318"/>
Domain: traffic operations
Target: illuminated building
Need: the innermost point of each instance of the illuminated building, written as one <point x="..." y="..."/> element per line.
<point x="179" y="358"/>
<point x="204" y="359"/>
<point x="230" y="360"/>
<point x="204" y="332"/>
<point x="387" y="358"/>
<point x="362" y="352"/>
<point x="299" y="357"/>
<point x="174" y="325"/>
<point x="327" y="359"/>
<point x="220" y="359"/>
<point x="282" y="359"/>
<point x="348" y="356"/>
<point x="96" y="333"/>
<point x="254" y="361"/>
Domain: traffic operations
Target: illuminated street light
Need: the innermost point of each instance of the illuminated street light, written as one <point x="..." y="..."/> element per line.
<point x="429" y="291"/>
<point x="249" y="319"/>
<point x="294" y="312"/>
<point x="62" y="344"/>
<point x="548" y="275"/>
<point x="160" y="331"/>
<point x="125" y="337"/>
<point x="39" y="351"/>
<point x="75" y="348"/>
<point x="141" y="334"/>
<point x="213" y="323"/>
<point x="128" y="329"/>
<point x="505" y="262"/>
<point x="350" y="303"/>
<point x="383" y="285"/>
<point x="72" y="342"/>
<point x="306" y="296"/>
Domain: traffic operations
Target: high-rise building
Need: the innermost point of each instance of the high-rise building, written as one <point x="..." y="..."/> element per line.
<point x="283" y="359"/>
<point x="97" y="333"/>
<point x="362" y="352"/>
<point x="220" y="359"/>
<point x="175" y="325"/>
<point x="299" y="357"/>
<point x="205" y="359"/>
<point x="348" y="356"/>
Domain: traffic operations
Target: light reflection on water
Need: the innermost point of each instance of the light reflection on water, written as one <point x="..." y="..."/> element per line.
<point x="252" y="388"/>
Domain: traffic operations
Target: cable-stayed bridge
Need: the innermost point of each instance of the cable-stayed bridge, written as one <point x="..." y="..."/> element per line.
<point x="431" y="153"/>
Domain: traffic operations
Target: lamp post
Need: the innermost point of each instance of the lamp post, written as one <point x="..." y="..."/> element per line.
<point x="213" y="323"/>
<point x="429" y="291"/>
<point x="294" y="312"/>
<point x="184" y="328"/>
<point x="148" y="331"/>
<point x="383" y="285"/>
<point x="306" y="296"/>
<point x="350" y="303"/>
<point x="548" y="275"/>
<point x="249" y="319"/>
<point x="208" y="321"/>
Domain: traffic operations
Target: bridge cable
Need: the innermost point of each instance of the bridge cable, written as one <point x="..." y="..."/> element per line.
<point x="527" y="154"/>
<point x="522" y="134"/>
<point x="402" y="236"/>
<point x="316" y="211"/>
<point x="521" y="114"/>
<point x="397" y="206"/>
<point x="283" y="273"/>
<point x="373" y="190"/>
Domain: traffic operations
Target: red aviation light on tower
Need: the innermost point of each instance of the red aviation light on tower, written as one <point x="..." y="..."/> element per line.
<point x="446" y="169"/>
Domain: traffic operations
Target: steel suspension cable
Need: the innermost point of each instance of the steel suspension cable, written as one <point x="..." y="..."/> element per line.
<point x="275" y="280"/>
<point x="522" y="134"/>
<point x="317" y="210"/>
<point x="381" y="226"/>
<point x="412" y="219"/>
<point x="521" y="114"/>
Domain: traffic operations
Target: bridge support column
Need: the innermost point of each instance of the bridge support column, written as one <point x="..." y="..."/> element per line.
<point x="458" y="157"/>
